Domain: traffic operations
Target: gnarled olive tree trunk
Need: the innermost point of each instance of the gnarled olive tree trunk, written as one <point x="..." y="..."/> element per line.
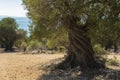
<point x="80" y="51"/>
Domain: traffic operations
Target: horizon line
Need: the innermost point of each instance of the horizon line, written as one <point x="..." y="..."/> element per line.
<point x="12" y="16"/>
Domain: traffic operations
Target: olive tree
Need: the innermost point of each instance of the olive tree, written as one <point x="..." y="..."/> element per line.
<point x="8" y="28"/>
<point x="77" y="17"/>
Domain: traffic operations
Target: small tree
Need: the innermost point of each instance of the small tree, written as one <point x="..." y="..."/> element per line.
<point x="34" y="44"/>
<point x="8" y="28"/>
<point x="23" y="46"/>
<point x="21" y="37"/>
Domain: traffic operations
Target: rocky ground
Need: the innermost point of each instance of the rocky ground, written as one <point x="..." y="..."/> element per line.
<point x="17" y="66"/>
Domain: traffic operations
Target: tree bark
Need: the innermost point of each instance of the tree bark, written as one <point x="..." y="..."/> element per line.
<point x="115" y="47"/>
<point x="80" y="52"/>
<point x="108" y="44"/>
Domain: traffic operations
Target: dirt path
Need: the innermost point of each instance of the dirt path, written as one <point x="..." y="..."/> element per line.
<point x="23" y="67"/>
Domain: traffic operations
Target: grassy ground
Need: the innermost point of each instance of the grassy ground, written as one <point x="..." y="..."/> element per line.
<point x="17" y="66"/>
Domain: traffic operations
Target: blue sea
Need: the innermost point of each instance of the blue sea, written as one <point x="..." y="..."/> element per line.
<point x="23" y="22"/>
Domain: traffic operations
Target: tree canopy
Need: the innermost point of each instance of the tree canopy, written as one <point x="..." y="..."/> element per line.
<point x="9" y="33"/>
<point x="77" y="18"/>
<point x="8" y="28"/>
<point x="21" y="38"/>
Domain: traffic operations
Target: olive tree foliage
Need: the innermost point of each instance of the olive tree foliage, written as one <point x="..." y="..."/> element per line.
<point x="34" y="44"/>
<point x="107" y="32"/>
<point x="21" y="41"/>
<point x="57" y="40"/>
<point x="8" y="28"/>
<point x="77" y="18"/>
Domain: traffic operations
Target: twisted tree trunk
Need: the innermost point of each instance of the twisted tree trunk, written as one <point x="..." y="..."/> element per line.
<point x="80" y="51"/>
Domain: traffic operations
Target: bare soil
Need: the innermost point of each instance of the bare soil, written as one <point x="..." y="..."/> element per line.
<point x="17" y="66"/>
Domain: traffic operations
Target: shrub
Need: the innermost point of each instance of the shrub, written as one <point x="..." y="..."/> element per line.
<point x="23" y="46"/>
<point x="61" y="48"/>
<point x="34" y="45"/>
<point x="99" y="50"/>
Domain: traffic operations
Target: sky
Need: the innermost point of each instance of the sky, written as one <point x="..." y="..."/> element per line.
<point x="12" y="8"/>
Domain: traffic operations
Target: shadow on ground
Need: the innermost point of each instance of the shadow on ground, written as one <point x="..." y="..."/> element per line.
<point x="2" y="50"/>
<point x="76" y="74"/>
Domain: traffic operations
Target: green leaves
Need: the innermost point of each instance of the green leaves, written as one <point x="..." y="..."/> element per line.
<point x="9" y="23"/>
<point x="8" y="32"/>
<point x="50" y="16"/>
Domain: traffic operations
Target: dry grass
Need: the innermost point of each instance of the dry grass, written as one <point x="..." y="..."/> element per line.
<point x="117" y="55"/>
<point x="114" y="57"/>
<point x="14" y="66"/>
<point x="17" y="66"/>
